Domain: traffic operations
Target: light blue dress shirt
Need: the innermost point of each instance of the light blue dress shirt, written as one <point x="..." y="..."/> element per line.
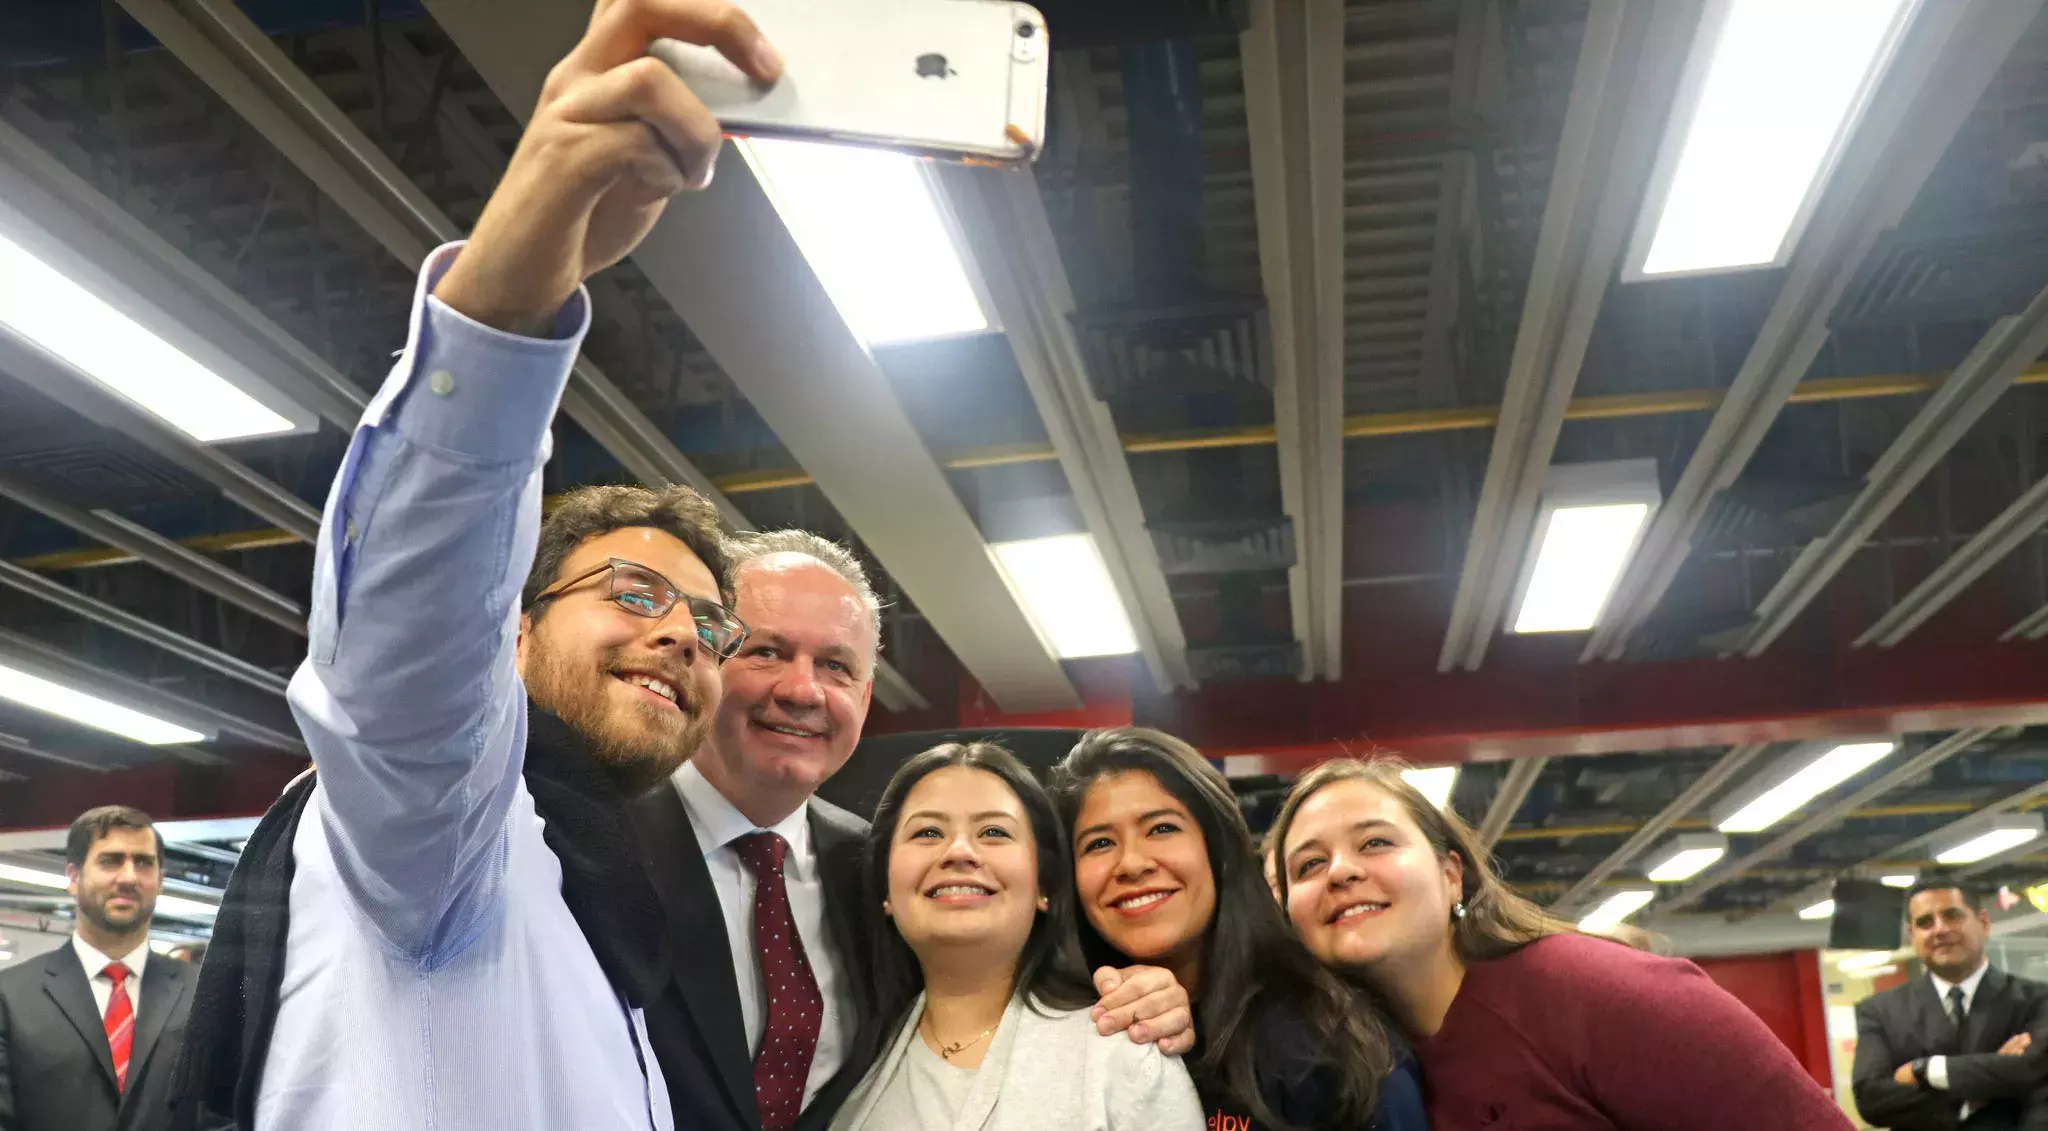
<point x="434" y="978"/>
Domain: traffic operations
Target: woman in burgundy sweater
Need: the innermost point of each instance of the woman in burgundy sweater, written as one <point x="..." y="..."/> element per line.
<point x="1520" y="1022"/>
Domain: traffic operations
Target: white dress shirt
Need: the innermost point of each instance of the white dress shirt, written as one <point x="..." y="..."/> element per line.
<point x="1937" y="1066"/>
<point x="717" y="824"/>
<point x="96" y="972"/>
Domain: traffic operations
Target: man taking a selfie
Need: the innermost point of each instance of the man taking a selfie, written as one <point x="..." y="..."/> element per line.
<point x="447" y="925"/>
<point x="450" y="925"/>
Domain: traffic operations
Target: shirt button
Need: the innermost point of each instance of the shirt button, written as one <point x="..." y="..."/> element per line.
<point x="441" y="381"/>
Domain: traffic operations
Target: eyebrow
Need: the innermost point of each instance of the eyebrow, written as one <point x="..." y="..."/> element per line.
<point x="984" y="815"/>
<point x="829" y="651"/>
<point x="1355" y="826"/>
<point x="1105" y="826"/>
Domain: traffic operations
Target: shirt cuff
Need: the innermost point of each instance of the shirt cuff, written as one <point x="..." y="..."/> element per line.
<point x="1937" y="1072"/>
<point x="476" y="390"/>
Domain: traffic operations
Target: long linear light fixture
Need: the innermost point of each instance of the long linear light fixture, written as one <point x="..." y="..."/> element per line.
<point x="57" y="313"/>
<point x="1770" y="96"/>
<point x="1999" y="835"/>
<point x="1615" y="909"/>
<point x="1065" y="589"/>
<point x="1591" y="518"/>
<point x="1825" y="909"/>
<point x="90" y="710"/>
<point x="873" y="227"/>
<point x="176" y="906"/>
<point x="1797" y="780"/>
<point x="1433" y="782"/>
<point x="1899" y="879"/>
<point x="1686" y="856"/>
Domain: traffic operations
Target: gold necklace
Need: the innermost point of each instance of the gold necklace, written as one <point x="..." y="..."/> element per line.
<point x="946" y="1051"/>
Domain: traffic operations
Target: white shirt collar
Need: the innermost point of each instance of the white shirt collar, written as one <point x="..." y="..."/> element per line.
<point x="1968" y="984"/>
<point x="717" y="822"/>
<point x="95" y="962"/>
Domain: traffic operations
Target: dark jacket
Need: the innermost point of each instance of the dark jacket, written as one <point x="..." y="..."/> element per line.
<point x="56" y="1071"/>
<point x="695" y="1025"/>
<point x="1907" y="1022"/>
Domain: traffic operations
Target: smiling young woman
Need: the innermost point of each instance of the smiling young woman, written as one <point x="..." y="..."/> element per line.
<point x="976" y="1014"/>
<point x="1515" y="1015"/>
<point x="1165" y="872"/>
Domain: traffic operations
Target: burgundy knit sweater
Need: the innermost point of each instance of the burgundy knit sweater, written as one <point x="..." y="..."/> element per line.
<point x="1581" y="1034"/>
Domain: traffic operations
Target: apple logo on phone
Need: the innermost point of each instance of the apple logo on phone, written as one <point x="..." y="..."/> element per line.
<point x="933" y="66"/>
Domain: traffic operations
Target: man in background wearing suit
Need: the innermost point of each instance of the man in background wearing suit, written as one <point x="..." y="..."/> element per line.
<point x="1961" y="1046"/>
<point x="89" y="1032"/>
<point x="759" y="877"/>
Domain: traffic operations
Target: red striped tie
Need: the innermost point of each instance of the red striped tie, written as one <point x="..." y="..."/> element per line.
<point x="120" y="1023"/>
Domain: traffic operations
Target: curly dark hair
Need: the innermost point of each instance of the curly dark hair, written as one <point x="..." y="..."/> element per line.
<point x="587" y="512"/>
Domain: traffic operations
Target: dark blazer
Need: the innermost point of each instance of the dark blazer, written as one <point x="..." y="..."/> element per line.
<point x="1907" y="1022"/>
<point x="696" y="1028"/>
<point x="56" y="1071"/>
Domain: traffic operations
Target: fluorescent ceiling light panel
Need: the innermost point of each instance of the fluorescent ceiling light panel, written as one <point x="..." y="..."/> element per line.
<point x="1615" y="908"/>
<point x="1834" y="766"/>
<point x="1999" y="835"/>
<point x="1433" y="782"/>
<point x="182" y="908"/>
<point x="34" y="877"/>
<point x="1772" y="93"/>
<point x="1863" y="961"/>
<point x="872" y="226"/>
<point x="1065" y="590"/>
<point x="1825" y="909"/>
<point x="47" y="307"/>
<point x="90" y="710"/>
<point x="1686" y="856"/>
<point x="1900" y="880"/>
<point x="1591" y="519"/>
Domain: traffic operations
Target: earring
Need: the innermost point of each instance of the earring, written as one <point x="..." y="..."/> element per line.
<point x="885" y="908"/>
<point x="1044" y="904"/>
<point x="1458" y="910"/>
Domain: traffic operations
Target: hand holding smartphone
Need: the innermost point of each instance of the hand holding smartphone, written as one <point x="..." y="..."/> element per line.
<point x="959" y="80"/>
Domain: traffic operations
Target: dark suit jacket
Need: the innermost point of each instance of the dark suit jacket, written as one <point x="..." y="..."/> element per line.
<point x="1907" y="1022"/>
<point x="696" y="1028"/>
<point x="56" y="1072"/>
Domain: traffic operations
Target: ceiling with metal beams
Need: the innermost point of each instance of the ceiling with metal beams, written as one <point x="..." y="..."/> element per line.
<point x="1330" y="287"/>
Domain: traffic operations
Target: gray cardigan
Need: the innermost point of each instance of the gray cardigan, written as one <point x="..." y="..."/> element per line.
<point x="1048" y="1071"/>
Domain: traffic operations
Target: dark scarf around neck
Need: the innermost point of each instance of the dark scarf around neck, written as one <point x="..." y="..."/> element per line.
<point x="234" y="1005"/>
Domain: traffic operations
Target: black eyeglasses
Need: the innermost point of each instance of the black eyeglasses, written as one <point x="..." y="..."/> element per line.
<point x="645" y="593"/>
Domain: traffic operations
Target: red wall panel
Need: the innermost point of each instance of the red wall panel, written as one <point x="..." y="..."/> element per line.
<point x="1784" y="990"/>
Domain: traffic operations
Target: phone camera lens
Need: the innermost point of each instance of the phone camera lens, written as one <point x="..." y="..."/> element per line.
<point x="1026" y="31"/>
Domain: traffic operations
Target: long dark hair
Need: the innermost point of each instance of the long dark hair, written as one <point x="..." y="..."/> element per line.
<point x="1252" y="965"/>
<point x="1049" y="972"/>
<point x="1498" y="920"/>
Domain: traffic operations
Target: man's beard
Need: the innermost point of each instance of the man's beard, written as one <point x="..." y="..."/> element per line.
<point x="94" y="911"/>
<point x="637" y="752"/>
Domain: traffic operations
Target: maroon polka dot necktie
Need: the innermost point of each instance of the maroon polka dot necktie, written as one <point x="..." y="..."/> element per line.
<point x="796" y="1010"/>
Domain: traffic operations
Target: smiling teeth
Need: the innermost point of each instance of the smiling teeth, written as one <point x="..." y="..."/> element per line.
<point x="1146" y="900"/>
<point x="652" y="684"/>
<point x="793" y="732"/>
<point x="1356" y="910"/>
<point x="960" y="889"/>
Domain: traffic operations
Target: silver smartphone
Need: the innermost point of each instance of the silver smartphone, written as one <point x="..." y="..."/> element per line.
<point x="951" y="79"/>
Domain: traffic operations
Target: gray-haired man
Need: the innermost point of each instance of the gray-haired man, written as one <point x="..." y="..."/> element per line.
<point x="741" y="837"/>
